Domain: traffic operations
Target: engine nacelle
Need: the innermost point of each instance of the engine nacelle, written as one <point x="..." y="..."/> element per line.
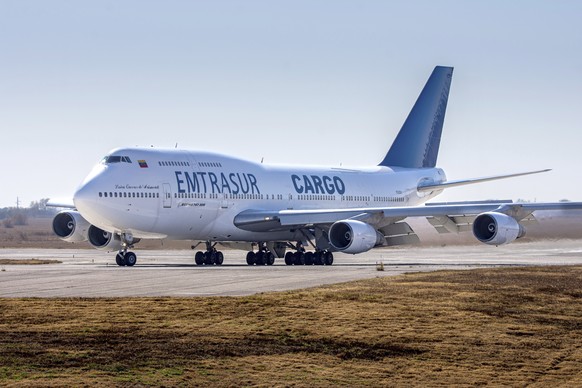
<point x="70" y="226"/>
<point x="351" y="236"/>
<point x="497" y="228"/>
<point x="103" y="240"/>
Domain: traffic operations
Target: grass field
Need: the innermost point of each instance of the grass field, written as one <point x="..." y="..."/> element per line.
<point x="513" y="327"/>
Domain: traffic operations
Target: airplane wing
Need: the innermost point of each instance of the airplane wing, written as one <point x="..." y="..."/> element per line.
<point x="66" y="203"/>
<point x="267" y="221"/>
<point x="430" y="186"/>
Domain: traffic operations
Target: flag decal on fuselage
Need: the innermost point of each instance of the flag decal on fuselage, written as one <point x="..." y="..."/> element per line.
<point x="142" y="163"/>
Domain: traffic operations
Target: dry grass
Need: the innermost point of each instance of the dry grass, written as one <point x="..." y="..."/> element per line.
<point x="493" y="326"/>
<point x="28" y="261"/>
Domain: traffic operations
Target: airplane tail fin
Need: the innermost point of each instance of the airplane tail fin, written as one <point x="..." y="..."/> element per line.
<point x="417" y="143"/>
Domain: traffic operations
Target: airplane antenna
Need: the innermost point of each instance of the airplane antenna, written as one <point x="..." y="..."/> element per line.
<point x="263" y="158"/>
<point x="176" y="145"/>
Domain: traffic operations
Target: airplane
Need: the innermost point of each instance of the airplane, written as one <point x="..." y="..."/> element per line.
<point x="303" y="214"/>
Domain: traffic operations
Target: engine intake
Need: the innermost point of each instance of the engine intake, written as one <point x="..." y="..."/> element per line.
<point x="497" y="228"/>
<point x="102" y="240"/>
<point x="351" y="236"/>
<point x="70" y="226"/>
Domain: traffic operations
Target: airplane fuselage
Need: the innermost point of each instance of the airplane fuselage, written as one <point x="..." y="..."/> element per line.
<point x="156" y="193"/>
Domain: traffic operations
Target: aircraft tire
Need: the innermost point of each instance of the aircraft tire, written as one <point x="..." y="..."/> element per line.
<point x="260" y="258"/>
<point x="199" y="258"/>
<point x="328" y="258"/>
<point x="270" y="258"/>
<point x="209" y="258"/>
<point x="299" y="258"/>
<point x="251" y="258"/>
<point x="289" y="260"/>
<point x="318" y="258"/>
<point x="120" y="259"/>
<point x="308" y="258"/>
<point x="219" y="258"/>
<point x="130" y="259"/>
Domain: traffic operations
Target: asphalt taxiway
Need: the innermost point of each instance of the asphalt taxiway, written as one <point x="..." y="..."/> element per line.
<point x="91" y="273"/>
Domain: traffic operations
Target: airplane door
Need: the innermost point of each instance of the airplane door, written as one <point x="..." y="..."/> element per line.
<point x="167" y="195"/>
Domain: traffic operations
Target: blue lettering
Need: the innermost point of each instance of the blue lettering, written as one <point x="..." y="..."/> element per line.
<point x="213" y="182"/>
<point x="232" y="180"/>
<point x="328" y="186"/>
<point x="253" y="181"/>
<point x="192" y="182"/>
<point x="225" y="185"/>
<point x="296" y="180"/>
<point x="308" y="185"/>
<point x="339" y="185"/>
<point x="317" y="184"/>
<point x="179" y="182"/>
<point x="203" y="175"/>
<point x="244" y="189"/>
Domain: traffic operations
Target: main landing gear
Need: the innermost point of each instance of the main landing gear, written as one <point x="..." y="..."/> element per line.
<point x="261" y="257"/>
<point x="210" y="257"/>
<point x="302" y="257"/>
<point x="309" y="258"/>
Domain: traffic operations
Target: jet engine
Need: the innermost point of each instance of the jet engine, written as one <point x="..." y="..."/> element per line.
<point x="70" y="226"/>
<point x="351" y="236"/>
<point x="102" y="240"/>
<point x="497" y="228"/>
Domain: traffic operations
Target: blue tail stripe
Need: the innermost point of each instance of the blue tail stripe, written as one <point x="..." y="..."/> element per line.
<point x="417" y="143"/>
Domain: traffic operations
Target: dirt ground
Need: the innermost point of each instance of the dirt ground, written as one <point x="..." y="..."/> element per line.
<point x="511" y="326"/>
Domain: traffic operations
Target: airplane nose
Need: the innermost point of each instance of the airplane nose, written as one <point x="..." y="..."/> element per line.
<point x="81" y="195"/>
<point x="87" y="193"/>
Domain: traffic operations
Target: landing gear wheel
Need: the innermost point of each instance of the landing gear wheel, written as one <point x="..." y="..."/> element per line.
<point x="130" y="259"/>
<point x="219" y="258"/>
<point x="289" y="259"/>
<point x="270" y="258"/>
<point x="199" y="258"/>
<point x="318" y="258"/>
<point x="120" y="259"/>
<point x="299" y="258"/>
<point x="328" y="258"/>
<point x="251" y="258"/>
<point x="209" y="258"/>
<point x="308" y="258"/>
<point x="260" y="258"/>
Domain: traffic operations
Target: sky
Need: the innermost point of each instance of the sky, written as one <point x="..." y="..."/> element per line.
<point x="308" y="82"/>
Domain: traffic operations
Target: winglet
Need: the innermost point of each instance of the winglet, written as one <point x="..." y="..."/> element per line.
<point x="417" y="143"/>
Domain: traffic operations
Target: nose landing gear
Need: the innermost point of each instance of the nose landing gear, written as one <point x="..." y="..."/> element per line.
<point x="124" y="257"/>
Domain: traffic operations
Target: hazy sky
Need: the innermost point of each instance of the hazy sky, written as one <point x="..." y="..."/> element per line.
<point x="322" y="82"/>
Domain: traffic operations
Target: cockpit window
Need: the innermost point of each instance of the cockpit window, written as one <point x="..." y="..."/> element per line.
<point x="115" y="159"/>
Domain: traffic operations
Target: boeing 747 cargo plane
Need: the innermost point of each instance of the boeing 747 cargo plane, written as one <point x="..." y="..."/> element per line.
<point x="301" y="213"/>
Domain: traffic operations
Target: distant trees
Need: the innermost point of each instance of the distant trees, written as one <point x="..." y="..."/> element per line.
<point x="13" y="216"/>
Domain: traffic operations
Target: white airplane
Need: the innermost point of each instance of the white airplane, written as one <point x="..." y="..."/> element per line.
<point x="148" y="193"/>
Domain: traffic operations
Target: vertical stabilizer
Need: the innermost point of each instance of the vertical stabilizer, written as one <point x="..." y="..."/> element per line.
<point x="417" y="143"/>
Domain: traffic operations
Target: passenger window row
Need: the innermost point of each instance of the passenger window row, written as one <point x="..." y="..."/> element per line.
<point x="124" y="194"/>
<point x="173" y="163"/>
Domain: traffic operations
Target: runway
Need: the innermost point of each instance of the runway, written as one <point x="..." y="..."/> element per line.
<point x="92" y="273"/>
